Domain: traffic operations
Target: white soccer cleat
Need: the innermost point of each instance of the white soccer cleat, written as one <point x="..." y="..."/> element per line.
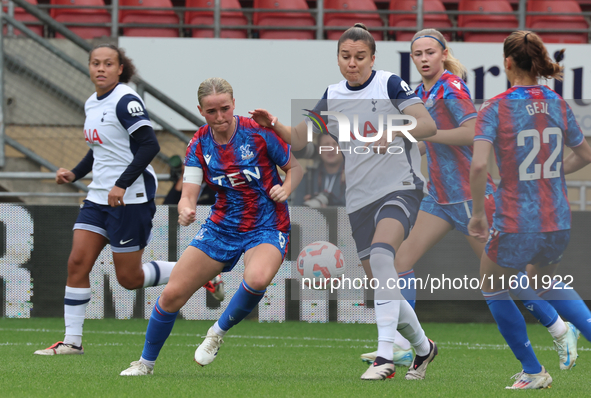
<point x="525" y="381"/>
<point x="137" y="368"/>
<point x="60" y="348"/>
<point x="401" y="357"/>
<point x="379" y="372"/>
<point x="566" y="345"/>
<point x="207" y="351"/>
<point x="418" y="368"/>
<point x="219" y="292"/>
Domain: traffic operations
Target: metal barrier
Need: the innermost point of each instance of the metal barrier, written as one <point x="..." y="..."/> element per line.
<point x="317" y="13"/>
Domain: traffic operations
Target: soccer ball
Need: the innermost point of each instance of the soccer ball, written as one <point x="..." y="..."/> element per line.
<point x="320" y="260"/>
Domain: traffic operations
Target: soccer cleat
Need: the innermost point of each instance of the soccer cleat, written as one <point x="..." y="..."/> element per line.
<point x="216" y="288"/>
<point x="137" y="368"/>
<point x="206" y="352"/>
<point x="419" y="365"/>
<point x="380" y="369"/>
<point x="401" y="357"/>
<point x="525" y="381"/>
<point x="60" y="348"/>
<point x="566" y="345"/>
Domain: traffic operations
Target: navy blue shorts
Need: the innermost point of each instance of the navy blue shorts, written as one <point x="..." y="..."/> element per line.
<point x="226" y="246"/>
<point x="128" y="228"/>
<point x="400" y="205"/>
<point x="517" y="250"/>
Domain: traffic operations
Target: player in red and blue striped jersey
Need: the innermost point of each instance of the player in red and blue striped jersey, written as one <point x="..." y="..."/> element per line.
<point x="448" y="204"/>
<point x="528" y="126"/>
<point x="238" y="159"/>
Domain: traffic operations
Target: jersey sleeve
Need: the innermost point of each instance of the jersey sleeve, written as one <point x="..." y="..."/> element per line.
<point x="458" y="101"/>
<point x="277" y="149"/>
<point x="573" y="136"/>
<point x="191" y="159"/>
<point x="132" y="113"/>
<point x="400" y="93"/>
<point x="487" y="122"/>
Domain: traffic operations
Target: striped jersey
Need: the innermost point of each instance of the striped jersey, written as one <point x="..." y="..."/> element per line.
<point x="372" y="176"/>
<point x="450" y="104"/>
<point x="242" y="172"/>
<point x="528" y="127"/>
<point x="110" y="121"/>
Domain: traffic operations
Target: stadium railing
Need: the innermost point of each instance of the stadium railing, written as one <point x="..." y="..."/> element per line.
<point x="318" y="13"/>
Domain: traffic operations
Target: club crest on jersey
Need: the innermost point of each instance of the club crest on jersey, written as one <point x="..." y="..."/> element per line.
<point x="429" y="102"/>
<point x="135" y="108"/>
<point x="103" y="118"/>
<point x="246" y="152"/>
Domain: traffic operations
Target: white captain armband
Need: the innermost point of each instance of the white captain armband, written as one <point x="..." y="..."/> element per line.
<point x="193" y="175"/>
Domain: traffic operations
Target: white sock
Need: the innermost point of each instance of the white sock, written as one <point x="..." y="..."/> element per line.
<point x="218" y="330"/>
<point x="410" y="328"/>
<point x="401" y="341"/>
<point x="387" y="301"/>
<point x="149" y="364"/>
<point x="558" y="328"/>
<point x="157" y="272"/>
<point x="76" y="300"/>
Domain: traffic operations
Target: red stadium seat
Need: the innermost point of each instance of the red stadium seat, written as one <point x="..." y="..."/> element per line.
<point x="284" y="19"/>
<point x="349" y="19"/>
<point x="149" y="17"/>
<point x="436" y="21"/>
<point x="486" y="21"/>
<point x="22" y="16"/>
<point x="206" y="18"/>
<point x="82" y="15"/>
<point x="556" y="21"/>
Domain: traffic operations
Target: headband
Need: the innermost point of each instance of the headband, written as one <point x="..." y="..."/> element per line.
<point x="432" y="37"/>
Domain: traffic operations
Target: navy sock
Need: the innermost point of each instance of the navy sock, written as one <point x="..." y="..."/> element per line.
<point x="542" y="310"/>
<point x="410" y="290"/>
<point x="242" y="304"/>
<point x="512" y="326"/>
<point x="569" y="304"/>
<point x="159" y="328"/>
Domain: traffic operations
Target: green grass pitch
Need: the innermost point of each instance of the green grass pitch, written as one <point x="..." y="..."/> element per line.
<point x="269" y="360"/>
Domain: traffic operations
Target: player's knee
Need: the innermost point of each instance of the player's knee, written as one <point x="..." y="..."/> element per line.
<point x="170" y="302"/>
<point x="131" y="281"/>
<point x="257" y="282"/>
<point x="78" y="267"/>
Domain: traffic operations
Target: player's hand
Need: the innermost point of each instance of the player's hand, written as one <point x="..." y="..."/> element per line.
<point x="263" y="117"/>
<point x="278" y="193"/>
<point x="187" y="216"/>
<point x="115" y="197"/>
<point x="478" y="228"/>
<point x="64" y="176"/>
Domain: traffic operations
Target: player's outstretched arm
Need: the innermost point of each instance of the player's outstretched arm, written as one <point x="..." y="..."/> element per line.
<point x="478" y="226"/>
<point x="426" y="126"/>
<point x="189" y="196"/>
<point x="294" y="136"/>
<point x="293" y="177"/>
<point x="579" y="158"/>
<point x="462" y="135"/>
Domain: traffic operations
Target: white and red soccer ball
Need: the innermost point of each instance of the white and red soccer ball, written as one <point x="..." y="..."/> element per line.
<point x="320" y="260"/>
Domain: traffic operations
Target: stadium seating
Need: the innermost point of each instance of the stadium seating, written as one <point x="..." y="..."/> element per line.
<point x="149" y="17"/>
<point x="437" y="21"/>
<point x="284" y="19"/>
<point x="206" y="18"/>
<point x="349" y="19"/>
<point x="556" y="21"/>
<point x="82" y="15"/>
<point x="486" y="21"/>
<point x="22" y="16"/>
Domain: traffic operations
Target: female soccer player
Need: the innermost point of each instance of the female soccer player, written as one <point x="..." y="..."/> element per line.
<point x="238" y="159"/>
<point x="120" y="204"/>
<point x="382" y="205"/>
<point x="449" y="203"/>
<point x="527" y="125"/>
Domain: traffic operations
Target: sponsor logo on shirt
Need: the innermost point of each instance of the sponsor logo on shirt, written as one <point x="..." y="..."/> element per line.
<point x="207" y="159"/>
<point x="457" y="84"/>
<point x="135" y="108"/>
<point x="406" y="88"/>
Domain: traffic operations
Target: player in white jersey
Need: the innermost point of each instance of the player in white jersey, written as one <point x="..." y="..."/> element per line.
<point x="120" y="204"/>
<point x="384" y="182"/>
